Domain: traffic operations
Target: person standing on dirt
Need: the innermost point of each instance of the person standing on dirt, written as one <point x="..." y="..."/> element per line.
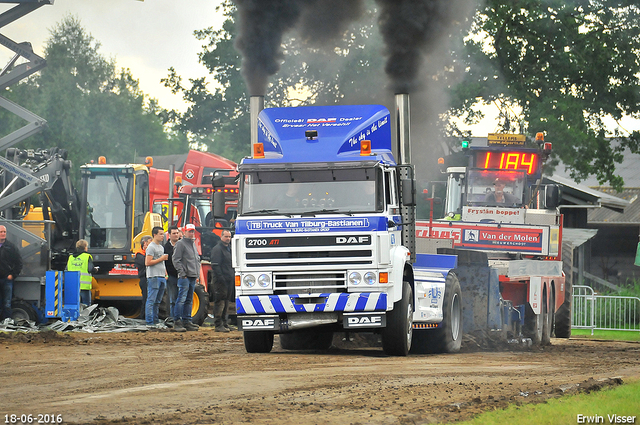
<point x="139" y="261"/>
<point x="223" y="281"/>
<point x="81" y="261"/>
<point x="187" y="262"/>
<point x="10" y="268"/>
<point x="172" y="273"/>
<point x="156" y="281"/>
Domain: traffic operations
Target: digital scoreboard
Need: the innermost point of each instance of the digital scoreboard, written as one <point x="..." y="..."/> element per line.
<point x="528" y="161"/>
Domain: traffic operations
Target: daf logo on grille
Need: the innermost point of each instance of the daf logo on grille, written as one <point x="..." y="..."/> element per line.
<point x="352" y="240"/>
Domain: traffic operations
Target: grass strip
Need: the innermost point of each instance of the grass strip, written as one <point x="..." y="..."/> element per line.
<point x="610" y="406"/>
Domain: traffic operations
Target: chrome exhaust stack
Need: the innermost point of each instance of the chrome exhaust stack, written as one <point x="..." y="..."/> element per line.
<point x="406" y="173"/>
<point x="403" y="128"/>
<point x="256" y="104"/>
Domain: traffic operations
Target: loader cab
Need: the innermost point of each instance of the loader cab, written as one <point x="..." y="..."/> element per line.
<point x="115" y="203"/>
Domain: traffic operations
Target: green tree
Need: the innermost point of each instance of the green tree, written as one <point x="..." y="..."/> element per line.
<point x="567" y="65"/>
<point x="91" y="107"/>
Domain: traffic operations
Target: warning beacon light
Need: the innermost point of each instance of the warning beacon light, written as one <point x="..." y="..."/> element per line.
<point x="102" y="160"/>
<point x="148" y="161"/>
<point x="365" y="147"/>
<point x="258" y="150"/>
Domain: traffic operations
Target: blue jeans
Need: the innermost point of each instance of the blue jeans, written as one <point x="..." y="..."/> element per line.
<point x="155" y="291"/>
<point x="172" y="291"/>
<point x="6" y="293"/>
<point x="184" y="302"/>
<point x="85" y="297"/>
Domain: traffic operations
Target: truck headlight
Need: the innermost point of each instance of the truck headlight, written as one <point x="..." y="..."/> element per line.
<point x="355" y="278"/>
<point x="264" y="280"/>
<point x="249" y="280"/>
<point x="370" y="278"/>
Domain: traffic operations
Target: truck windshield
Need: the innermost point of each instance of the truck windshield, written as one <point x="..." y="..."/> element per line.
<point x="312" y="191"/>
<point x="201" y="212"/>
<point x="105" y="224"/>
<point x="495" y="188"/>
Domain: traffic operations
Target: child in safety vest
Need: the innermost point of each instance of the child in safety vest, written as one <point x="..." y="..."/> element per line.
<point x="82" y="262"/>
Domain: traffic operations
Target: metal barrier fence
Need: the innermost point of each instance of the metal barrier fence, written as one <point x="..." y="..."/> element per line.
<point x="604" y="312"/>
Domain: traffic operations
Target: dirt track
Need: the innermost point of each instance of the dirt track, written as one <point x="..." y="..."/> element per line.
<point x="204" y="377"/>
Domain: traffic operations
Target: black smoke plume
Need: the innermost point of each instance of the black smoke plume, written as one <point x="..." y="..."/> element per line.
<point x="262" y="24"/>
<point x="411" y="28"/>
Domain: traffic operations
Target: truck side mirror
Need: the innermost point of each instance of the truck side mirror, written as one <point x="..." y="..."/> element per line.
<point x="408" y="187"/>
<point x="218" y="181"/>
<point x="552" y="196"/>
<point x="218" y="204"/>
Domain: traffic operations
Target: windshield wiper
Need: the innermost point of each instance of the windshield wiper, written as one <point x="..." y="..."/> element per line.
<point x="269" y="212"/>
<point x="322" y="211"/>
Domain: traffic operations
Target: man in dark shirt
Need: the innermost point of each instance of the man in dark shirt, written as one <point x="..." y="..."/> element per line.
<point x="10" y="268"/>
<point x="223" y="281"/>
<point x="172" y="273"/>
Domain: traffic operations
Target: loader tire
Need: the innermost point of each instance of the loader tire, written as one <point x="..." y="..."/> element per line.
<point x="258" y="341"/>
<point x="563" y="315"/>
<point x="23" y="310"/>
<point x="448" y="337"/>
<point x="306" y="339"/>
<point x="397" y="336"/>
<point x="200" y="307"/>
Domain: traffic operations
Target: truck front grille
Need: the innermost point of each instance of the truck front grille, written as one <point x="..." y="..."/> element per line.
<point x="308" y="258"/>
<point x="310" y="282"/>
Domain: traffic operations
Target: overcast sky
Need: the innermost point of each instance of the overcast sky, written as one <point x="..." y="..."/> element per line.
<point x="147" y="37"/>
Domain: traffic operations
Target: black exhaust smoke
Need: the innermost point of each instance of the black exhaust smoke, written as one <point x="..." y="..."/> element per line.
<point x="410" y="28"/>
<point x="262" y="24"/>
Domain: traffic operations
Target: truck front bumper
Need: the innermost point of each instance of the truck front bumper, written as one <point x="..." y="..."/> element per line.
<point x="313" y="303"/>
<point x="282" y="313"/>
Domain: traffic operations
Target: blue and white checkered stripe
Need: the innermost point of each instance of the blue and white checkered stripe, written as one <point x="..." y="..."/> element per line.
<point x="270" y="304"/>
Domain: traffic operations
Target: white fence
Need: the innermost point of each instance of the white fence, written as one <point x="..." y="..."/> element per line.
<point x="604" y="312"/>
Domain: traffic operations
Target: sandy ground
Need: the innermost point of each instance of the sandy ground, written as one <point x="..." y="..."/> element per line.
<point x="203" y="377"/>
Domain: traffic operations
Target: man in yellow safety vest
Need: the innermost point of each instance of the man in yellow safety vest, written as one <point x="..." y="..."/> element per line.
<point x="82" y="262"/>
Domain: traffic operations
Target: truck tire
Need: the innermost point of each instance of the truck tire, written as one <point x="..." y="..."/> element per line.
<point x="563" y="315"/>
<point x="306" y="339"/>
<point x="200" y="307"/>
<point x="533" y="324"/>
<point x="23" y="310"/>
<point x="547" y="327"/>
<point x="397" y="336"/>
<point x="448" y="337"/>
<point x="258" y="341"/>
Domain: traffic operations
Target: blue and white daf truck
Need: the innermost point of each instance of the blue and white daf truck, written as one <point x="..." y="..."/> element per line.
<point x="324" y="237"/>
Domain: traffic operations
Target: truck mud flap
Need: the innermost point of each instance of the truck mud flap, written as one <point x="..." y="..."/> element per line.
<point x="258" y="323"/>
<point x="364" y="321"/>
<point x="480" y="288"/>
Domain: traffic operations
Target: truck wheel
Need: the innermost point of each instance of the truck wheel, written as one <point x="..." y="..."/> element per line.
<point x="563" y="315"/>
<point x="397" y="336"/>
<point x="547" y="326"/>
<point x="200" y="307"/>
<point x="258" y="341"/>
<point x="306" y="340"/>
<point x="533" y="324"/>
<point x="448" y="337"/>
<point x="23" y="310"/>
